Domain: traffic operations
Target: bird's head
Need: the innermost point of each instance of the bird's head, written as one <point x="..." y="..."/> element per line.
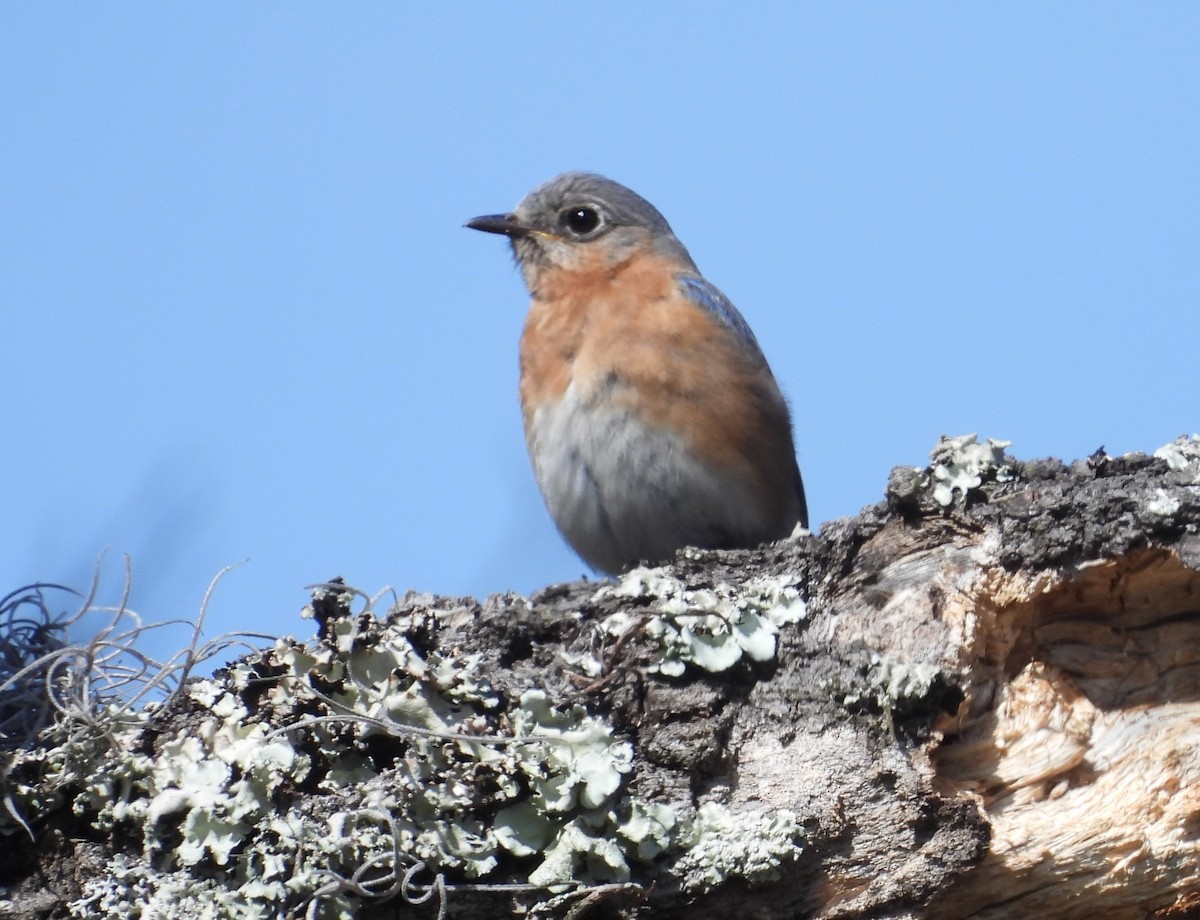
<point x="582" y="220"/>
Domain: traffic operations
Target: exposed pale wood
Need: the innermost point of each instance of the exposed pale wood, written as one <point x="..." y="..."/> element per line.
<point x="1083" y="745"/>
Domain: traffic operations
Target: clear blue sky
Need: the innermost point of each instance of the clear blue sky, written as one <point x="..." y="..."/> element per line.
<point x="242" y="319"/>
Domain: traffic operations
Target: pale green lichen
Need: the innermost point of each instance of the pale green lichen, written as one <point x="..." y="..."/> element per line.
<point x="753" y="847"/>
<point x="419" y="766"/>
<point x="1163" y="503"/>
<point x="578" y="850"/>
<point x="893" y="684"/>
<point x="958" y="465"/>
<point x="902" y="681"/>
<point x="711" y="628"/>
<point x="213" y="785"/>
<point x="576" y="760"/>
<point x="575" y="818"/>
<point x="130" y="889"/>
<point x="292" y="858"/>
<point x="467" y="780"/>
<point x="1182" y="453"/>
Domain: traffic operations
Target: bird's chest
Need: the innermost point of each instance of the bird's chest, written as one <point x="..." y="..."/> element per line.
<point x="590" y="359"/>
<point x="615" y="392"/>
<point x="626" y="359"/>
<point x="617" y="335"/>
<point x="584" y="328"/>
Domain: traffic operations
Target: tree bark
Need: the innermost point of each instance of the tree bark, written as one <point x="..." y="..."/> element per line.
<point x="990" y="708"/>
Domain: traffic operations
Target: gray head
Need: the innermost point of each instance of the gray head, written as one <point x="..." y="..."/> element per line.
<point x="578" y="215"/>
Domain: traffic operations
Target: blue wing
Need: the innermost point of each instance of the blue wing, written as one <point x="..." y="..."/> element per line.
<point x="708" y="297"/>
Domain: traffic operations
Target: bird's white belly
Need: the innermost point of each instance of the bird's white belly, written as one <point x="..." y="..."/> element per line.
<point x="622" y="491"/>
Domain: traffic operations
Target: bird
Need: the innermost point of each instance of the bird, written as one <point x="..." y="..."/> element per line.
<point x="652" y="418"/>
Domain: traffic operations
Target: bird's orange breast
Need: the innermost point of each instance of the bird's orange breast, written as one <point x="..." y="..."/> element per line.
<point x="629" y="336"/>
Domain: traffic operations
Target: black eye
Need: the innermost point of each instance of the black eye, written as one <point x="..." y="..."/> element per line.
<point x="581" y="221"/>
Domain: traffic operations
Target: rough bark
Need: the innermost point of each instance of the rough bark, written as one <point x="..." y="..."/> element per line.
<point x="990" y="709"/>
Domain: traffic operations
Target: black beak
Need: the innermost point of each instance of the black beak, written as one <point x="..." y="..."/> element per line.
<point x="498" y="223"/>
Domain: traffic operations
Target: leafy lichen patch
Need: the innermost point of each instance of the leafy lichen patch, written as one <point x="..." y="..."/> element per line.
<point x="1182" y="453"/>
<point x="421" y="770"/>
<point x="753" y="847"/>
<point x="960" y="464"/>
<point x="710" y="628"/>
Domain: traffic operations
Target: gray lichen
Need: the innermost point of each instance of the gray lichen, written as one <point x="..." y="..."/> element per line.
<point x="752" y="847"/>
<point x="710" y="628"/>
<point x="426" y="776"/>
<point x="958" y="465"/>
<point x="1182" y="453"/>
<point x="310" y="778"/>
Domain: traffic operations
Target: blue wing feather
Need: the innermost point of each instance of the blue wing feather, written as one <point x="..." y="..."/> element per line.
<point x="707" y="296"/>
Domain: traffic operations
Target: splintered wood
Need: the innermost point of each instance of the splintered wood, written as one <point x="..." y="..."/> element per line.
<point x="1080" y="737"/>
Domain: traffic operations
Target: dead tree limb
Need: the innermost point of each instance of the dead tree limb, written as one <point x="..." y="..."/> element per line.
<point x="979" y="698"/>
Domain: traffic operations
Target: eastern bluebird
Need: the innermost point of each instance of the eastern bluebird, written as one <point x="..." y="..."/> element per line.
<point x="651" y="416"/>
